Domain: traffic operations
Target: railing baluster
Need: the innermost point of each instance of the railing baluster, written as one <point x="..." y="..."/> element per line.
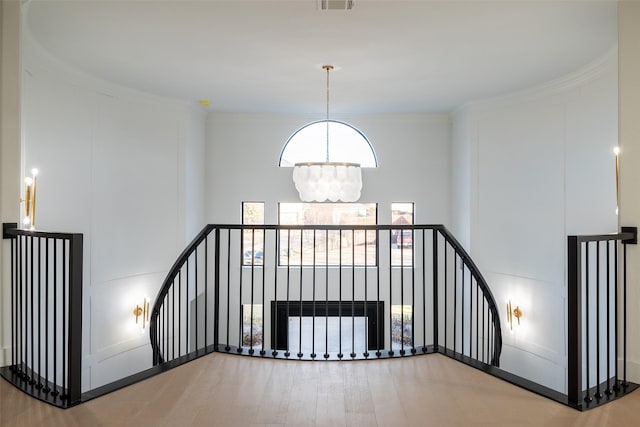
<point x="46" y="316"/>
<point x="446" y="291"/>
<point x="19" y="310"/>
<point x="378" y="328"/>
<point x="274" y="306"/>
<point x="39" y="385"/>
<point x="180" y="313"/>
<point x="353" y="293"/>
<point x="588" y="397"/>
<point x="624" y="315"/>
<point x="616" y="318"/>
<point x="24" y="302"/>
<point x="326" y="295"/>
<point x="253" y="262"/>
<point x="287" y="353"/>
<point x="598" y="393"/>
<point x="313" y="278"/>
<point x="391" y="294"/>
<point x="300" y="295"/>
<point x="264" y="268"/>
<point x="206" y="293"/>
<point x="240" y="306"/>
<point x="462" y="307"/>
<point x="14" y="308"/>
<point x="436" y="275"/>
<point x="401" y="292"/>
<point x="340" y="355"/>
<point x="55" y="318"/>
<point x="477" y="320"/>
<point x="470" y="314"/>
<point x="187" y="307"/>
<point x="228" y="253"/>
<point x="484" y="340"/>
<point x="65" y="353"/>
<point x="424" y="296"/>
<point x="455" y="300"/>
<point x="165" y="332"/>
<point x="608" y="254"/>
<point x="195" y="298"/>
<point x="75" y="318"/>
<point x="173" y="320"/>
<point x="413" y="293"/>
<point x="366" y="290"/>
<point x="31" y="310"/>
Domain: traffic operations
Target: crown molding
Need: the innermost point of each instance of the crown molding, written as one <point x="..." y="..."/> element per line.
<point x="554" y="87"/>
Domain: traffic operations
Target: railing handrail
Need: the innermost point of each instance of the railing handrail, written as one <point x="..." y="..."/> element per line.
<point x="168" y="281"/>
<point x="39" y="233"/>
<point x="207" y="229"/>
<point x="482" y="283"/>
<point x="622" y="236"/>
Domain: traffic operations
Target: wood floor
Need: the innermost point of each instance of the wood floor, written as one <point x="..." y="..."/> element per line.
<point x="228" y="390"/>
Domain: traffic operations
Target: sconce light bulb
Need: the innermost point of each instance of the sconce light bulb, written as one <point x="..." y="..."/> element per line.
<point x="26" y="220"/>
<point x="616" y="150"/>
<point x="34" y="171"/>
<point x="28" y="180"/>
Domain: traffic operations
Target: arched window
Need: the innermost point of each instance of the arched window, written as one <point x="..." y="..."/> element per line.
<point x="346" y="145"/>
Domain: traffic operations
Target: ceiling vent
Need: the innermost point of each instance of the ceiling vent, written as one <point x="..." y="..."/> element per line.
<point x="335" y="4"/>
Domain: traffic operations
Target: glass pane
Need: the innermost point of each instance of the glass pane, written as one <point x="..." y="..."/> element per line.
<point x="253" y="240"/>
<point x="402" y="240"/>
<point x="252" y="325"/>
<point x="322" y="247"/>
<point x="401" y="326"/>
<point x="346" y="144"/>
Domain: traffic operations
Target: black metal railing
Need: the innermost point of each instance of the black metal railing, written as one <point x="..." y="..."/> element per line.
<point x="597" y="318"/>
<point x="325" y="293"/>
<point x="46" y="314"/>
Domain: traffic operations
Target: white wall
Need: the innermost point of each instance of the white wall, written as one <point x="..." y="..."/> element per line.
<point x="124" y="169"/>
<point x="10" y="62"/>
<point x="541" y="167"/>
<point x="629" y="35"/>
<point x="461" y="179"/>
<point x="243" y="152"/>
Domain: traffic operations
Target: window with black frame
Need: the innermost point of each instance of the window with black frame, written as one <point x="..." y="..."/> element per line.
<point x="402" y="239"/>
<point x="322" y="247"/>
<point x="253" y="239"/>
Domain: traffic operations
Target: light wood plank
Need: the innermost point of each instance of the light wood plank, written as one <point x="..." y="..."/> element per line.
<point x="228" y="390"/>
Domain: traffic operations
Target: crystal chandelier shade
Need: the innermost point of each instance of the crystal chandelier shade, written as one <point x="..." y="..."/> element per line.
<point x="319" y="182"/>
<point x="322" y="181"/>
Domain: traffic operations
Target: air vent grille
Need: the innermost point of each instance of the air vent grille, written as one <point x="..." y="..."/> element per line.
<point x="335" y="4"/>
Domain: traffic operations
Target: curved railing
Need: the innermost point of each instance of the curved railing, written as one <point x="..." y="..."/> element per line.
<point x="325" y="293"/>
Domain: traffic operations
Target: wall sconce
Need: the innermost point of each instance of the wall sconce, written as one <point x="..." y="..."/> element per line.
<point x="616" y="151"/>
<point x="30" y="199"/>
<point x="142" y="312"/>
<point x="511" y="313"/>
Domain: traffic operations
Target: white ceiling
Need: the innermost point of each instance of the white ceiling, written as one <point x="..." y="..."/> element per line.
<point x="391" y="56"/>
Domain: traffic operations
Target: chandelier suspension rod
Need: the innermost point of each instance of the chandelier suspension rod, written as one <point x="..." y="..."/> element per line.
<point x="328" y="68"/>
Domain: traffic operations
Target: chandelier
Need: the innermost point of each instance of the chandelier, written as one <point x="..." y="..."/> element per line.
<point x="332" y="181"/>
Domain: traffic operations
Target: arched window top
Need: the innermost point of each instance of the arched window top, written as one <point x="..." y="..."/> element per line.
<point x="346" y="145"/>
